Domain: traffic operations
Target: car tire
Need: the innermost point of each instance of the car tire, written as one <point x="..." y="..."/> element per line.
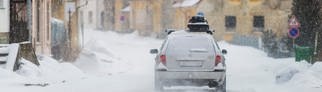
<point x="158" y="85"/>
<point x="222" y="88"/>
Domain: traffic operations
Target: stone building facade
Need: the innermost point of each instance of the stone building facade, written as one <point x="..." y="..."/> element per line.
<point x="242" y="17"/>
<point x="247" y="17"/>
<point x="92" y="15"/>
<point x="227" y="17"/>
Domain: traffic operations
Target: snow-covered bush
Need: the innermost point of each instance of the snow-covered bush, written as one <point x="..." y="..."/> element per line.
<point x="277" y="47"/>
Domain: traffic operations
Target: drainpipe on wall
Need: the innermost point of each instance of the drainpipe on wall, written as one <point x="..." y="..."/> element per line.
<point x="29" y="19"/>
<point x="82" y="22"/>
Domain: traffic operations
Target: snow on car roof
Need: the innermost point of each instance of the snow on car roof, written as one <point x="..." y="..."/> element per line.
<point x="186" y="33"/>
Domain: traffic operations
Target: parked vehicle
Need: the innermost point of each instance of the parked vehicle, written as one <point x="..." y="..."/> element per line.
<point x="190" y="58"/>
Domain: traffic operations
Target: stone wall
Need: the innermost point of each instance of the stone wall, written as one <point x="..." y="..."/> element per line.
<point x="275" y="15"/>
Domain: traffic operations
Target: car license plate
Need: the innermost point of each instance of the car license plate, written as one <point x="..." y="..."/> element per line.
<point x="191" y="64"/>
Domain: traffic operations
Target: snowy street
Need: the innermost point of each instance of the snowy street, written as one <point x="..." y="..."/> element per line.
<point x="161" y="46"/>
<point x="112" y="62"/>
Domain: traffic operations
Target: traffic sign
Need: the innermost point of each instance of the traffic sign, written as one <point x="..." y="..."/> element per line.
<point x="293" y="22"/>
<point x="294" y="33"/>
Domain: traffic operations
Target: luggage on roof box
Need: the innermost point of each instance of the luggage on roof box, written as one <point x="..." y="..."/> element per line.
<point x="198" y="24"/>
<point x="198" y="19"/>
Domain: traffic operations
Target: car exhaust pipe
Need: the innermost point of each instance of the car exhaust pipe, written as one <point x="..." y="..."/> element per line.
<point x="212" y="84"/>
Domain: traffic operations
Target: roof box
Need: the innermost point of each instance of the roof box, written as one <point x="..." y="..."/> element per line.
<point x="198" y="24"/>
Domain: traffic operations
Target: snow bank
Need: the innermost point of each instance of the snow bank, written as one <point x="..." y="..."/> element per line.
<point x="310" y="77"/>
<point x="5" y="75"/>
<point x="125" y="59"/>
<point x="109" y="53"/>
<point x="286" y="73"/>
<point x="32" y="78"/>
<point x="54" y="71"/>
<point x="98" y="60"/>
<point x="29" y="69"/>
<point x="317" y="67"/>
<point x="11" y="81"/>
<point x="249" y="69"/>
<point x="301" y="74"/>
<point x="50" y="71"/>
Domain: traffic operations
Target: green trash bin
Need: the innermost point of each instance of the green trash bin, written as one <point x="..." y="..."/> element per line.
<point x="303" y="53"/>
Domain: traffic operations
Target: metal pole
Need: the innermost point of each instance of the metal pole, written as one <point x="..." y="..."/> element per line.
<point x="316" y="42"/>
<point x="68" y="51"/>
<point x="293" y="43"/>
<point x="83" y="38"/>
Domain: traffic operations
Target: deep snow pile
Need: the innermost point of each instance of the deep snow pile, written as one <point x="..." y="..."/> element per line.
<point x="250" y="70"/>
<point x="32" y="78"/>
<point x="122" y="59"/>
<point x="304" y="75"/>
<point x="50" y="71"/>
<point x="109" y="62"/>
<point x="100" y="61"/>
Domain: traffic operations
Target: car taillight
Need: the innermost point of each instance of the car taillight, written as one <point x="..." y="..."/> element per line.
<point x="163" y="59"/>
<point x="218" y="60"/>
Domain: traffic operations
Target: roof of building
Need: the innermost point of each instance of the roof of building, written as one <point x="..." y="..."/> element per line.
<point x="126" y="9"/>
<point x="186" y="3"/>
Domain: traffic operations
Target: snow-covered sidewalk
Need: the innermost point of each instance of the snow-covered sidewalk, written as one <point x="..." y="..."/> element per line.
<point x="250" y="70"/>
<point x="112" y="62"/>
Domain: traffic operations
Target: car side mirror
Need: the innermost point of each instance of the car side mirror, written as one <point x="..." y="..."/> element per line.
<point x="169" y="31"/>
<point x="224" y="51"/>
<point x="154" y="51"/>
<point x="213" y="30"/>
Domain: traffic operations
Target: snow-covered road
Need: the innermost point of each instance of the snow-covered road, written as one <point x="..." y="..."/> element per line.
<point x="112" y="62"/>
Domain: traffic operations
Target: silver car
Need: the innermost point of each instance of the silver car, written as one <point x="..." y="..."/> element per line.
<point x="190" y="59"/>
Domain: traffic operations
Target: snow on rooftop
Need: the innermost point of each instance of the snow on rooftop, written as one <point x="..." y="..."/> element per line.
<point x="56" y="20"/>
<point x="126" y="9"/>
<point x="186" y="3"/>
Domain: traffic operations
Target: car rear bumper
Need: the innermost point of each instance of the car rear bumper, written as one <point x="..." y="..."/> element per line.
<point x="215" y="75"/>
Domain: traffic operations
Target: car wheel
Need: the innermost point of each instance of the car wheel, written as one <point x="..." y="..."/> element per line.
<point x="222" y="88"/>
<point x="158" y="84"/>
<point x="158" y="87"/>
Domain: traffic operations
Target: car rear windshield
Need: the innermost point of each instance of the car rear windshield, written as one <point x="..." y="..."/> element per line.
<point x="190" y="43"/>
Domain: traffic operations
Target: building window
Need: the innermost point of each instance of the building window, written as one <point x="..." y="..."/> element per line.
<point x="230" y="23"/>
<point x="259" y="23"/>
<point x="1" y="4"/>
<point x="90" y="17"/>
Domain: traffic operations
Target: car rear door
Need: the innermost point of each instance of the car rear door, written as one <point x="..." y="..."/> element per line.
<point x="190" y="53"/>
